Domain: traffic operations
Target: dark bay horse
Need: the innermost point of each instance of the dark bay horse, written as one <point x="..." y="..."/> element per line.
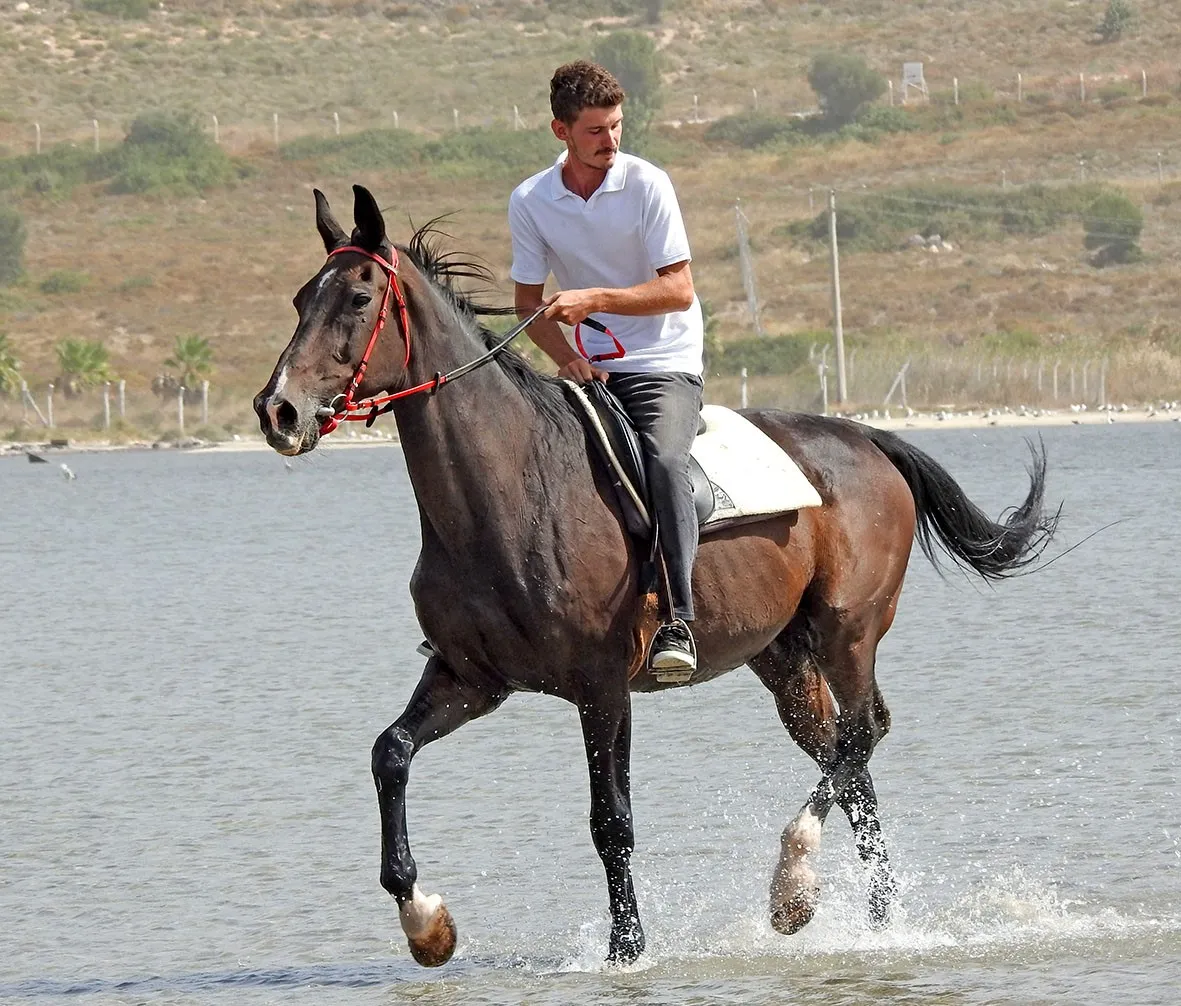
<point x="527" y="579"/>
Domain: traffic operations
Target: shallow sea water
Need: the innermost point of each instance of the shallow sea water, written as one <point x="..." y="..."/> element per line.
<point x="199" y="650"/>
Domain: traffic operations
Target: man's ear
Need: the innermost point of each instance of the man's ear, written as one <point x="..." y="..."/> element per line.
<point x="331" y="232"/>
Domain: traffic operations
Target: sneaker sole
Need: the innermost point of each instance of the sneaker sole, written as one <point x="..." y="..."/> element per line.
<point x="672" y="660"/>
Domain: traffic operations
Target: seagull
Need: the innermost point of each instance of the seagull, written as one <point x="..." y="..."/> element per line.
<point x="67" y="472"/>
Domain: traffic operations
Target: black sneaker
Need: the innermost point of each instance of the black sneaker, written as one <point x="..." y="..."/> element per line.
<point x="673" y="648"/>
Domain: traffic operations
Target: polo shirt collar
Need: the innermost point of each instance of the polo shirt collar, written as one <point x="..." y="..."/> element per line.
<point x="616" y="176"/>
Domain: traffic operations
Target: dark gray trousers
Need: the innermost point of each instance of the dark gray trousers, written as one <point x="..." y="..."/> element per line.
<point x="665" y="409"/>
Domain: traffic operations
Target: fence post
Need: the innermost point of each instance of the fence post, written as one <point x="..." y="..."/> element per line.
<point x="455" y="117"/>
<point x="754" y="94"/>
<point x="122" y="399"/>
<point x="745" y="398"/>
<point x="822" y="373"/>
<point x="696" y="110"/>
<point x="49" y="406"/>
<point x="1072" y="383"/>
<point x="1004" y="180"/>
<point x="180" y="409"/>
<point x="955" y="87"/>
<point x="838" y="328"/>
<point x="106" y="405"/>
<point x="395" y="118"/>
<point x="275" y="127"/>
<point x="1103" y="383"/>
<point x="336" y="123"/>
<point x="204" y="403"/>
<point x="37" y="138"/>
<point x="1143" y="83"/>
<point x="94" y="124"/>
<point x="1082" y="87"/>
<point x="1086" y="367"/>
<point x="1056" y="362"/>
<point x="216" y="131"/>
<point x="890" y="84"/>
<point x="1020" y="89"/>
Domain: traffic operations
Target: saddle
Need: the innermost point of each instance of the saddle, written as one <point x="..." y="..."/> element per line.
<point x="619" y="446"/>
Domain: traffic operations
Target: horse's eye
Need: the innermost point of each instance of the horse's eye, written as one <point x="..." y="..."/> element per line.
<point x="361" y="299"/>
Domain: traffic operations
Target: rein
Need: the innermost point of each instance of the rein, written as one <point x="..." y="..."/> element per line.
<point x="368" y="409"/>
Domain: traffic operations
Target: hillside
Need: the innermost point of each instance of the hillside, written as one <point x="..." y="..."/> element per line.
<point x="137" y="270"/>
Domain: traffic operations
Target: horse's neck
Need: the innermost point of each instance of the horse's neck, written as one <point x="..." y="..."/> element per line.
<point x="472" y="451"/>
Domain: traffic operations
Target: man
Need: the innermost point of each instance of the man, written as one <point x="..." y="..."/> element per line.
<point x="607" y="225"/>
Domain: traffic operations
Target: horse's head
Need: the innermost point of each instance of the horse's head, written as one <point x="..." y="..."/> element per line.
<point x="334" y="353"/>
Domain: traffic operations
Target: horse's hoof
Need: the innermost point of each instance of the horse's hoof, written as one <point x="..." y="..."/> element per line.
<point x="626" y="946"/>
<point x="791" y="916"/>
<point x="434" y="946"/>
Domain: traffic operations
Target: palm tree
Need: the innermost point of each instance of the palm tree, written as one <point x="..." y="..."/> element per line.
<point x="82" y="364"/>
<point x="192" y="360"/>
<point x="10" y="368"/>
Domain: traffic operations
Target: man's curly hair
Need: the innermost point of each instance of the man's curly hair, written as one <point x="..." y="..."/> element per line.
<point x="582" y="84"/>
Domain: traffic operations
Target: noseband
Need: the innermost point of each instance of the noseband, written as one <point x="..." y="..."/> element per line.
<point x="368" y="409"/>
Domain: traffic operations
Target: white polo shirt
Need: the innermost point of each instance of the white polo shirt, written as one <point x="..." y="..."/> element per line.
<point x="630" y="227"/>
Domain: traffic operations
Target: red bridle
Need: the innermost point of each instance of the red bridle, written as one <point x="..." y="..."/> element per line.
<point x="374" y="406"/>
<point x="348" y="409"/>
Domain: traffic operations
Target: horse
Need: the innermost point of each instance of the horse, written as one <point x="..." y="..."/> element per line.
<point x="527" y="578"/>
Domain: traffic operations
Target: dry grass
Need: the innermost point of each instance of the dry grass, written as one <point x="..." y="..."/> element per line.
<point x="225" y="266"/>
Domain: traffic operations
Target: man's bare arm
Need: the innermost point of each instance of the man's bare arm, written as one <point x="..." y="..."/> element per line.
<point x="671" y="290"/>
<point x="549" y="338"/>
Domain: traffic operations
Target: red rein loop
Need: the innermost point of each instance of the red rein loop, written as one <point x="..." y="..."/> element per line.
<point x="619" y="352"/>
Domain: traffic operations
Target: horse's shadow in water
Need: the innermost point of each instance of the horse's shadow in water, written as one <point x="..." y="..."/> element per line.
<point x="527" y="578"/>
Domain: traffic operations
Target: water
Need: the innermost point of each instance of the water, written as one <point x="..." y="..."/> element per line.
<point x="198" y="650"/>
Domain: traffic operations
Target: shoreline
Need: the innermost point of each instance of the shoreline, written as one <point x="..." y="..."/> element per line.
<point x="913" y="420"/>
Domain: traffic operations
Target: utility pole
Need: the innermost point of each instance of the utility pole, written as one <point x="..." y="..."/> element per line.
<point x="838" y="329"/>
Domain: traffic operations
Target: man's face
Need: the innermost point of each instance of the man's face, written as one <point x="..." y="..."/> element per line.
<point x="593" y="138"/>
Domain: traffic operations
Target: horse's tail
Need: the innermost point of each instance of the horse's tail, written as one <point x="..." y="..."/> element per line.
<point x="994" y="550"/>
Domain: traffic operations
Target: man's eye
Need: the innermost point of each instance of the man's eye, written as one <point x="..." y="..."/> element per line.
<point x="361" y="299"/>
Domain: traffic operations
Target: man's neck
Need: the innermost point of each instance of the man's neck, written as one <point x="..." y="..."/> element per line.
<point x="581" y="179"/>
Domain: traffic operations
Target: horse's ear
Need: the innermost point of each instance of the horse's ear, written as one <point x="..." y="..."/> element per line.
<point x="370" y="232"/>
<point x="332" y="233"/>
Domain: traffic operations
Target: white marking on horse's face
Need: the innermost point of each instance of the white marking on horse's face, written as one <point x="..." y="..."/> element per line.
<point x="417" y="913"/>
<point x="322" y="282"/>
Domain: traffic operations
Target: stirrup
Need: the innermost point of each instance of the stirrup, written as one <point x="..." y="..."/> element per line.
<point x="676" y="666"/>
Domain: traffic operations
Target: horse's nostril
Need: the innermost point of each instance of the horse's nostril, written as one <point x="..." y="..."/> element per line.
<point x="286" y="415"/>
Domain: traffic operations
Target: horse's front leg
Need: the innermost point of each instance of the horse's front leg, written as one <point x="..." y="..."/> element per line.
<point x="606" y="731"/>
<point x="441" y="703"/>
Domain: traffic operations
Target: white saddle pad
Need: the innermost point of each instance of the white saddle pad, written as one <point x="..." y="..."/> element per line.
<point x="752" y="475"/>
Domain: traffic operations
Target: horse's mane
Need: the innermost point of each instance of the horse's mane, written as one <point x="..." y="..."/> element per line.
<point x="444" y="269"/>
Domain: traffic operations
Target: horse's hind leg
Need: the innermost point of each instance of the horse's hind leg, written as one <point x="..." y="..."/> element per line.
<point x="836" y="717"/>
<point x="441" y="703"/>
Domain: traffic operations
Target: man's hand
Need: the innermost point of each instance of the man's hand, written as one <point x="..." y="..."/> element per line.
<point x="582" y="371"/>
<point x="572" y="306"/>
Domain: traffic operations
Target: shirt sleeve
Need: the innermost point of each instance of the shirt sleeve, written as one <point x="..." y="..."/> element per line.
<point x="530" y="254"/>
<point x="664" y="230"/>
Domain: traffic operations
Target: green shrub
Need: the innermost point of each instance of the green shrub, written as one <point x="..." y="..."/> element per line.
<point x="778" y="354"/>
<point x="64" y="281"/>
<point x="1119" y="18"/>
<point x="1112" y="225"/>
<point x="880" y="221"/>
<point x="751" y="130"/>
<point x="10" y="368"/>
<point x="876" y="121"/>
<point x="12" y="245"/>
<point x="632" y="57"/>
<point x="169" y="150"/>
<point x="843" y="83"/>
